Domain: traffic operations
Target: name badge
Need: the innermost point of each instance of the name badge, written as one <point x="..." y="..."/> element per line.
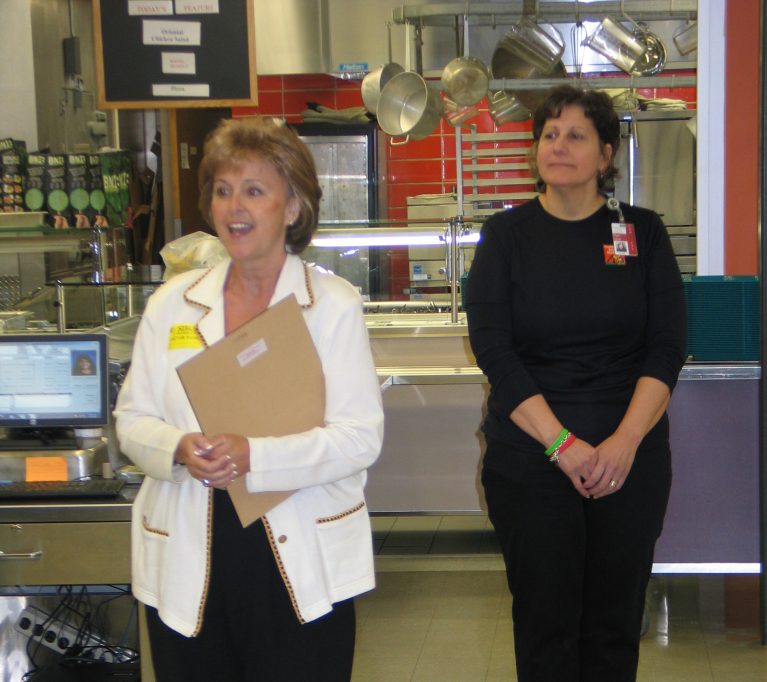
<point x="184" y="336"/>
<point x="624" y="239"/>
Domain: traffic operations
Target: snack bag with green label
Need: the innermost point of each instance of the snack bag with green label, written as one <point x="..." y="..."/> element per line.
<point x="116" y="174"/>
<point x="55" y="187"/>
<point x="34" y="194"/>
<point x="77" y="189"/>
<point x="12" y="186"/>
<point x="97" y="200"/>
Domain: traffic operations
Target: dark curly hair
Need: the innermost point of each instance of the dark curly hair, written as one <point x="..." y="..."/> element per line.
<point x="597" y="107"/>
<point x="236" y="141"/>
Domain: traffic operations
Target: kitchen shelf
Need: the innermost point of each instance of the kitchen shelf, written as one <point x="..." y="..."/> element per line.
<point x="625" y="82"/>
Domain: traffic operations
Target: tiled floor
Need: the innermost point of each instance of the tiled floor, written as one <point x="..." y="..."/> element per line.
<point x="441" y="612"/>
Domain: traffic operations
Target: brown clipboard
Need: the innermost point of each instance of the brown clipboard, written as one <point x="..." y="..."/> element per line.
<point x="263" y="379"/>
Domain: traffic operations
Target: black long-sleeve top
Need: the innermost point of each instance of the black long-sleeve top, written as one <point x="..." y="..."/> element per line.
<point x="547" y="314"/>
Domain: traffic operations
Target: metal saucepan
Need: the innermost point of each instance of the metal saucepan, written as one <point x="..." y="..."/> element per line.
<point x="373" y="83"/>
<point x="505" y="108"/>
<point x="455" y="114"/>
<point x="465" y="80"/>
<point x="408" y="107"/>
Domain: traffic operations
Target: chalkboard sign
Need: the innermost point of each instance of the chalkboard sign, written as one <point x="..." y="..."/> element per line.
<point x="153" y="54"/>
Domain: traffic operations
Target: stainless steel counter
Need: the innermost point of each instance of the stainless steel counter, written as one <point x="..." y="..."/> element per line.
<point x="432" y="457"/>
<point x="473" y="375"/>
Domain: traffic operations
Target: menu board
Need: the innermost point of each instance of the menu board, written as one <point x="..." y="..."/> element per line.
<point x="153" y="54"/>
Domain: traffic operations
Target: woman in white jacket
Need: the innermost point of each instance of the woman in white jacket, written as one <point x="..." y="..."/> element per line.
<point x="272" y="601"/>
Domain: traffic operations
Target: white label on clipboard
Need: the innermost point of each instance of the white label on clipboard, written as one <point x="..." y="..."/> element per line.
<point x="253" y="351"/>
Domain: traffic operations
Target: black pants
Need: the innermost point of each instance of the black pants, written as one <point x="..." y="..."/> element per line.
<point x="577" y="569"/>
<point x="250" y="631"/>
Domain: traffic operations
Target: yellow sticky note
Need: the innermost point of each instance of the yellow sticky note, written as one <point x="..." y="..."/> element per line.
<point x="184" y="336"/>
<point x="46" y="469"/>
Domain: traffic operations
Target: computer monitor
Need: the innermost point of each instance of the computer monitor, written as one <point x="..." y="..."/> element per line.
<point x="50" y="381"/>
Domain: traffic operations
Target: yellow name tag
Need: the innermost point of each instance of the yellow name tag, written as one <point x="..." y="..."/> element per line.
<point x="184" y="336"/>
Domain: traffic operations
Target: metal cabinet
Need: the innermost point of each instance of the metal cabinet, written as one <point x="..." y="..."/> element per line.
<point x="656" y="162"/>
<point x="64" y="553"/>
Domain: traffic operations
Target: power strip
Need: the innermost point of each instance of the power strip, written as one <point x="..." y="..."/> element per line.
<point x="52" y="632"/>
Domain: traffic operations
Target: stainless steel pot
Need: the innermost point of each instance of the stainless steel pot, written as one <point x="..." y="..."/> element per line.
<point x="533" y="45"/>
<point x="507" y="64"/>
<point x="373" y="83"/>
<point x="408" y="107"/>
<point x="465" y="80"/>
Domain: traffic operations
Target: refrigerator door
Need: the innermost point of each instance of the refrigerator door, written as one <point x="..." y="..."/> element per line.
<point x="656" y="160"/>
<point x="349" y="167"/>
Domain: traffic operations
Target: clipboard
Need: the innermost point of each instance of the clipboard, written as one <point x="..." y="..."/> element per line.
<point x="263" y="379"/>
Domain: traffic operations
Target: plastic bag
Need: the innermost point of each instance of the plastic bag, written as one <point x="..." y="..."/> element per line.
<point x="192" y="251"/>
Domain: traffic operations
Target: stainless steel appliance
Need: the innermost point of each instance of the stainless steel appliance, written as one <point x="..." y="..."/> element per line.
<point x="349" y="165"/>
<point x="656" y="160"/>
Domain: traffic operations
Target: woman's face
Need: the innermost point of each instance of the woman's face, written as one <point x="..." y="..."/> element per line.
<point x="570" y="154"/>
<point x="251" y="207"/>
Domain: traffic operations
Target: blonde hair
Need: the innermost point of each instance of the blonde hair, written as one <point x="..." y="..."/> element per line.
<point x="236" y="141"/>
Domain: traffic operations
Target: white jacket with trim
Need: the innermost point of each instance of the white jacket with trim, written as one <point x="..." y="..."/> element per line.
<point x="321" y="534"/>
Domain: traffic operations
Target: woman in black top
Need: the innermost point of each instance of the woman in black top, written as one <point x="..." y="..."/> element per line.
<point x="578" y="322"/>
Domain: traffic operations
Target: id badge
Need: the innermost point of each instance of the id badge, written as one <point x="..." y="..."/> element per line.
<point x="624" y="239"/>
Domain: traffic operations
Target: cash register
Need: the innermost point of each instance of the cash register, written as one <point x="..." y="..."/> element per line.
<point x="54" y="401"/>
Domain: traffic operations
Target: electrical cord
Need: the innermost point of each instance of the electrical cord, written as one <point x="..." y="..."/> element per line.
<point x="76" y="609"/>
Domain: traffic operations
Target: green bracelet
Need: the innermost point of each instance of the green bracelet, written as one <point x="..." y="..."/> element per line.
<point x="563" y="434"/>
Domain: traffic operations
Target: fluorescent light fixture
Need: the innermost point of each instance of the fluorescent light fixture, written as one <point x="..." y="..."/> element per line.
<point x="386" y="237"/>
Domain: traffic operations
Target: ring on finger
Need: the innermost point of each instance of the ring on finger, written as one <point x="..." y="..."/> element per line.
<point x="613" y="483"/>
<point x="206" y="482"/>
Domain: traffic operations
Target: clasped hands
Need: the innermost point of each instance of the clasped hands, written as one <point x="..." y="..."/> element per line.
<point x="216" y="461"/>
<point x="598" y="471"/>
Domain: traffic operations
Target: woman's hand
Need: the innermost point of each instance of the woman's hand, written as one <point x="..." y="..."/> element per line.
<point x="214" y="461"/>
<point x="615" y="456"/>
<point x="577" y="463"/>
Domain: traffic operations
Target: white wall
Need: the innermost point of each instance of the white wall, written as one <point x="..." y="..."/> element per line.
<point x="710" y="121"/>
<point x="18" y="118"/>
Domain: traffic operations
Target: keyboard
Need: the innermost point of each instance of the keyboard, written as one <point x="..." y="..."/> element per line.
<point x="93" y="487"/>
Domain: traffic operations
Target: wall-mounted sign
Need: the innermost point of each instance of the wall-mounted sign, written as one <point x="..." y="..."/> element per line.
<point x="153" y="54"/>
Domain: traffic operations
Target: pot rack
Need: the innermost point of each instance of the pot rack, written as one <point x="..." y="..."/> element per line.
<point x="456" y="14"/>
<point x="494" y="13"/>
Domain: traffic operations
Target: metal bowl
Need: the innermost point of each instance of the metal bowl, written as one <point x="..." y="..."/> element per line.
<point x="654" y="58"/>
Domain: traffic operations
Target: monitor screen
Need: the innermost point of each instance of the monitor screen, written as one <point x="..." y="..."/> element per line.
<point x="53" y="380"/>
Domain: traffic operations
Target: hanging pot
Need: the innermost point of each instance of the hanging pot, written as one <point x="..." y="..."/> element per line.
<point x="653" y="59"/>
<point x="508" y="64"/>
<point x="456" y="114"/>
<point x="617" y="44"/>
<point x="532" y="45"/>
<point x="465" y="80"/>
<point x="373" y="83"/>
<point x="408" y="107"/>
<point x="505" y="108"/>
